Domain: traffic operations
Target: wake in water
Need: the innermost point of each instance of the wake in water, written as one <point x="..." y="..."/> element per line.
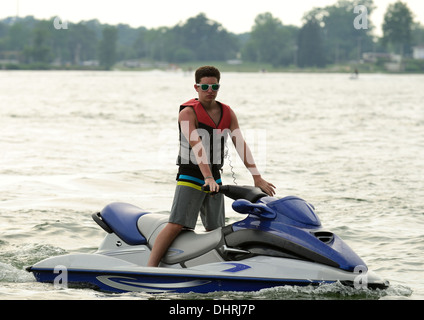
<point x="14" y="259"/>
<point x="334" y="291"/>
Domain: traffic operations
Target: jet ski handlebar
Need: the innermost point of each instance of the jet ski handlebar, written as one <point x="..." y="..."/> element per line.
<point x="250" y="193"/>
<point x="246" y="200"/>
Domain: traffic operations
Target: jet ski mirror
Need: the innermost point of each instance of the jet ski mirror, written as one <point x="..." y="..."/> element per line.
<point x="258" y="209"/>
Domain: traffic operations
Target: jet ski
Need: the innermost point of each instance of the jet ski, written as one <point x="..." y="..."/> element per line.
<point x="279" y="242"/>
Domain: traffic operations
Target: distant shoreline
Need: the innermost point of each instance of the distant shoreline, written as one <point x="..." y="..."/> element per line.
<point x="366" y="68"/>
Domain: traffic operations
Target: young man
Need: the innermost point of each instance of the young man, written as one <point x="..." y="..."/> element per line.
<point x="203" y="124"/>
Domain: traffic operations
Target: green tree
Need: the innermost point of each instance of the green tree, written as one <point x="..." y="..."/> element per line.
<point x="19" y="35"/>
<point x="4" y="30"/>
<point x="40" y="51"/>
<point x="397" y="27"/>
<point x="270" y="41"/>
<point x="140" y="44"/>
<point x="341" y="40"/>
<point x="417" y="34"/>
<point x="126" y="38"/>
<point x="159" y="44"/>
<point x="204" y="40"/>
<point x="310" y="45"/>
<point x="107" y="47"/>
<point x="81" y="42"/>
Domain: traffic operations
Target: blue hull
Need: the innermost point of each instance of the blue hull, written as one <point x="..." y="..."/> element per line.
<point x="159" y="283"/>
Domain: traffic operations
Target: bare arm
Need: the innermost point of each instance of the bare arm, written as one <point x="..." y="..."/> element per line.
<point x="245" y="154"/>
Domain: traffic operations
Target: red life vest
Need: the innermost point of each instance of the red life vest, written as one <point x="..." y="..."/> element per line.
<point x="216" y="139"/>
<point x="203" y="117"/>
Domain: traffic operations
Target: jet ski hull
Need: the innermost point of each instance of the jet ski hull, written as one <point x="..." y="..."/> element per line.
<point x="114" y="275"/>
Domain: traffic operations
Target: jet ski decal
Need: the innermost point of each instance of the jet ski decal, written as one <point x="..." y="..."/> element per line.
<point x="237" y="267"/>
<point x="131" y="284"/>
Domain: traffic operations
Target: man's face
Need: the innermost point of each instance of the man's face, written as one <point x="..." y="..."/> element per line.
<point x="209" y="95"/>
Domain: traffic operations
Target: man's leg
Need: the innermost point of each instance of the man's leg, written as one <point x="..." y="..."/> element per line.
<point x="212" y="212"/>
<point x="162" y="243"/>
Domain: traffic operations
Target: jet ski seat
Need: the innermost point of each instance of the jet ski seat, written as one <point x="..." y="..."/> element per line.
<point x="150" y="225"/>
<point x="121" y="219"/>
<point x="189" y="244"/>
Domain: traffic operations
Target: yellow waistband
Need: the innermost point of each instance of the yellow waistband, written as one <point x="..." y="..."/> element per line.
<point x="189" y="184"/>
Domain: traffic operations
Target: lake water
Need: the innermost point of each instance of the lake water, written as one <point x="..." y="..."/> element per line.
<point x="72" y="142"/>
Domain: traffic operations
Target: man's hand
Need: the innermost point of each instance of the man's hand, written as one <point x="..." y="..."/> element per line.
<point x="265" y="186"/>
<point x="211" y="183"/>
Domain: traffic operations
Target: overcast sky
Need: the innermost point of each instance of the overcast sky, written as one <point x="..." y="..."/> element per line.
<point x="235" y="15"/>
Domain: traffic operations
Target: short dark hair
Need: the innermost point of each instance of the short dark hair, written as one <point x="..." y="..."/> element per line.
<point x="207" y="71"/>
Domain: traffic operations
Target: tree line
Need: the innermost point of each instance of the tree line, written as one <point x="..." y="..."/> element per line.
<point x="327" y="36"/>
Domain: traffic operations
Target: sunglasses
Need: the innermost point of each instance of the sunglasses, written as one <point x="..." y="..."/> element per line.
<point x="205" y="87"/>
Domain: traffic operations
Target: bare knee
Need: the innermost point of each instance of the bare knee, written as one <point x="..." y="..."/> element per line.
<point x="173" y="228"/>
